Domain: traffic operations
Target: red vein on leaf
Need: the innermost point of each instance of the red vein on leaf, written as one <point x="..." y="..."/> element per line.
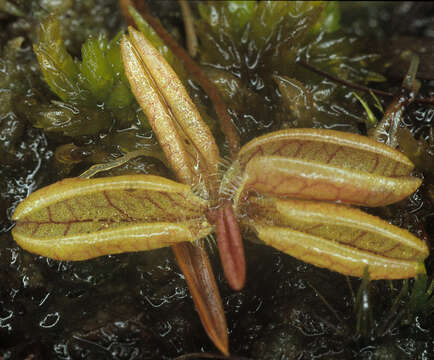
<point x="221" y="110"/>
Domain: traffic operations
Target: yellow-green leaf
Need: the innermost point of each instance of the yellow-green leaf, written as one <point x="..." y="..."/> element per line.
<point x="77" y="219"/>
<point x="337" y="237"/>
<point x="59" y="69"/>
<point x="326" y="165"/>
<point x="95" y="68"/>
<point x="183" y="135"/>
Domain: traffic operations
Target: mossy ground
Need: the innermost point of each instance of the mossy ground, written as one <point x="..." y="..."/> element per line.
<point x="137" y="306"/>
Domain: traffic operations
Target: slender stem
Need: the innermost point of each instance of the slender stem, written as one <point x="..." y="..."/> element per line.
<point x="382" y="330"/>
<point x="327" y="304"/>
<point x="344" y="82"/>
<point x="353" y="295"/>
<point x="397" y="318"/>
<point x="429" y="100"/>
<point x="196" y="267"/>
<point x="228" y="128"/>
<point x="123" y="5"/>
<point x="189" y="27"/>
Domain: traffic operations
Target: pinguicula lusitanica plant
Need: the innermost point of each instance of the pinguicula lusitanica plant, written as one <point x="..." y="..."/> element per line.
<point x="294" y="189"/>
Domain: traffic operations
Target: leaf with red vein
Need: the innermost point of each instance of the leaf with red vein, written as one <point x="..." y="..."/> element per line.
<point x="195" y="265"/>
<point x="185" y="138"/>
<point x="337" y="237"/>
<point x="77" y="219"/>
<point x="293" y="178"/>
<point x="230" y="246"/>
<point x="335" y="148"/>
<point x="326" y="165"/>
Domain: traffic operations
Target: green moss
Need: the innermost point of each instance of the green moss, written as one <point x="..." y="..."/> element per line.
<point x="97" y="80"/>
<point x="10" y="8"/>
<point x="255" y="41"/>
<point x="59" y="69"/>
<point x="279" y="303"/>
<point x="94" y="90"/>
